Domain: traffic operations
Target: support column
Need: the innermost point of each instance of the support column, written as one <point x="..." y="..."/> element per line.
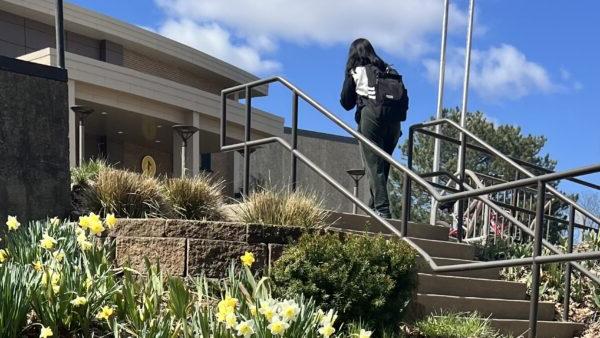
<point x="195" y="146"/>
<point x="72" y="126"/>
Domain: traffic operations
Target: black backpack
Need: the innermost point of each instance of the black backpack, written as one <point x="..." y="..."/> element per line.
<point x="391" y="97"/>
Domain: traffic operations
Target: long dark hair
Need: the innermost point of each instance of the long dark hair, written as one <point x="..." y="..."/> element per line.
<point x="362" y="53"/>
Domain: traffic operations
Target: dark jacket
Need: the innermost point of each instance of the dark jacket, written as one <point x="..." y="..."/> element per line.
<point x="349" y="98"/>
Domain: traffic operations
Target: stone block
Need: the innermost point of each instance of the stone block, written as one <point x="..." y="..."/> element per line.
<point x="206" y="230"/>
<point x="214" y="257"/>
<point x="258" y="233"/>
<point x="137" y="227"/>
<point x="168" y="252"/>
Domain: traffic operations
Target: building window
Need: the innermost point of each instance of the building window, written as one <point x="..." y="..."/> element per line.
<point x="205" y="162"/>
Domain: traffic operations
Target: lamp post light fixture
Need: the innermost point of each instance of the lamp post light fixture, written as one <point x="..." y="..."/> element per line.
<point x="185" y="132"/>
<point x="82" y="114"/>
<point x="357" y="175"/>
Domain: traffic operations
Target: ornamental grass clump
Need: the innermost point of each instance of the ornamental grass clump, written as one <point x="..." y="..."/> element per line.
<point x="198" y="197"/>
<point x="127" y="194"/>
<point x="457" y="325"/>
<point x="282" y="207"/>
<point x="368" y="279"/>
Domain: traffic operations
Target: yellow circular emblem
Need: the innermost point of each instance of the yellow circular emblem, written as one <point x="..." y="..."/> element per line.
<point x="148" y="166"/>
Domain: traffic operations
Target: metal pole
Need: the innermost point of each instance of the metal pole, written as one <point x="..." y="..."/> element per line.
<point x="183" y="147"/>
<point x="406" y="193"/>
<point x="463" y="114"/>
<point x="247" y="139"/>
<point x="294" y="163"/>
<point x="81" y="140"/>
<point x="571" y="231"/>
<point x="535" y="267"/>
<point x="60" y="34"/>
<point x="355" y="195"/>
<point x="440" y="100"/>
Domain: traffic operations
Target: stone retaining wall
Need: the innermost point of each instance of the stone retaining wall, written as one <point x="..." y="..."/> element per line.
<point x="189" y="247"/>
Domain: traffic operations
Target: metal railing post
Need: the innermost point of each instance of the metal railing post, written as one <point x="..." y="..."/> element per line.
<point x="60" y="34"/>
<point x="406" y="193"/>
<point x="567" y="295"/>
<point x="537" y="251"/>
<point x="294" y="160"/>
<point x="440" y="101"/>
<point x="247" y="132"/>
<point x="223" y="119"/>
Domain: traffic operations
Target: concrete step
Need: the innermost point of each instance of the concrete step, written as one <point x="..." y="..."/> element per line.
<point x="470" y="287"/>
<point x="486" y="307"/>
<point x="492" y="273"/>
<point x="365" y="223"/>
<point x="445" y="249"/>
<point x="545" y="329"/>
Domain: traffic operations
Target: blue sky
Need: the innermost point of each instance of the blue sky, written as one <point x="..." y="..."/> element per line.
<point x="535" y="62"/>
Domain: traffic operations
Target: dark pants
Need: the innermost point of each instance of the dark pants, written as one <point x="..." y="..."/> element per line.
<point x="385" y="136"/>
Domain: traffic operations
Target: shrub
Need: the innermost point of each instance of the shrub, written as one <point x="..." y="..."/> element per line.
<point x="88" y="172"/>
<point x="368" y="279"/>
<point x="198" y="197"/>
<point x="454" y="325"/>
<point x="127" y="194"/>
<point x="282" y="207"/>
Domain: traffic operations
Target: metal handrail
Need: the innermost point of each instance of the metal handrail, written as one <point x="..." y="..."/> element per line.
<point x="409" y="176"/>
<point x="509" y="160"/>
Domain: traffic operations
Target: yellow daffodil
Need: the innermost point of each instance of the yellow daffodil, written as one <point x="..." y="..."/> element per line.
<point x="12" y="223"/>
<point x="59" y="255"/>
<point x="247" y="259"/>
<point x="105" y="313"/>
<point x="328" y="319"/>
<point x="54" y="221"/>
<point x="47" y="242"/>
<point x="37" y="265"/>
<point x="230" y="320"/>
<point x="83" y="242"/>
<point x="364" y="334"/>
<point x="227" y="305"/>
<point x="55" y="288"/>
<point x="3" y="255"/>
<point x="111" y="221"/>
<point x="46" y="332"/>
<point x="253" y="310"/>
<point x="88" y="283"/>
<point x="327" y="331"/>
<point x="267" y="310"/>
<point x="220" y="317"/>
<point x="245" y="329"/>
<point x="96" y="227"/>
<point x="78" y="301"/>
<point x="289" y="310"/>
<point x="84" y="222"/>
<point x="278" y="326"/>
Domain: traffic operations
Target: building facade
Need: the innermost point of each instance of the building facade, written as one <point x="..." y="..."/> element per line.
<point x="139" y="85"/>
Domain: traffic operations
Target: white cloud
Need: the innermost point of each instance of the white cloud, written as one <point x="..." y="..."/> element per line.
<point x="212" y="39"/>
<point x="399" y="27"/>
<point x="499" y="72"/>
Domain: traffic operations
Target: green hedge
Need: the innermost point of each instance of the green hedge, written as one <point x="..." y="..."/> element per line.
<point x="367" y="279"/>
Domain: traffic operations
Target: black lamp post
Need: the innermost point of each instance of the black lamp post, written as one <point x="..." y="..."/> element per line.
<point x="82" y="114"/>
<point x="185" y="132"/>
<point x="357" y="175"/>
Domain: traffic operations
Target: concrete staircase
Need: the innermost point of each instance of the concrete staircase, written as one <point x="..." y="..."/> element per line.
<point x="505" y="303"/>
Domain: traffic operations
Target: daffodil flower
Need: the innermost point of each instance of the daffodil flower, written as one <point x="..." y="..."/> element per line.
<point x="3" y="255"/>
<point x="12" y="223"/>
<point x="289" y="310"/>
<point x="54" y="221"/>
<point x="278" y="326"/>
<point x="59" y="255"/>
<point x="78" y="301"/>
<point x="247" y="259"/>
<point x="364" y="334"/>
<point x="327" y="330"/>
<point x="105" y="313"/>
<point x="111" y="221"/>
<point x="47" y="242"/>
<point x="245" y="328"/>
<point x="230" y="320"/>
<point x="46" y="332"/>
<point x="37" y="265"/>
